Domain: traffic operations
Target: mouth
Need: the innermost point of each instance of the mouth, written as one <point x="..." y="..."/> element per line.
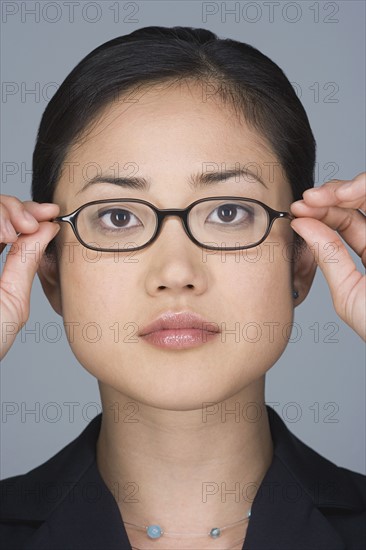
<point x="177" y="330"/>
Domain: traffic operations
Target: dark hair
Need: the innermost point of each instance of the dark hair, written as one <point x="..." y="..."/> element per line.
<point x="254" y="85"/>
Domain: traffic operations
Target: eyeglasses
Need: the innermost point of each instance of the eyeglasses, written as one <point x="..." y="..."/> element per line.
<point x="215" y="223"/>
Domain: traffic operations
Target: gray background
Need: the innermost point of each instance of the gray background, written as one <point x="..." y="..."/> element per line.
<point x="319" y="382"/>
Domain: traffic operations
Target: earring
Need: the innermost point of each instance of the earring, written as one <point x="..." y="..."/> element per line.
<point x="295" y="294"/>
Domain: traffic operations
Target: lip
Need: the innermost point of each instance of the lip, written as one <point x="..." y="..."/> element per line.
<point x="179" y="330"/>
<point x="179" y="320"/>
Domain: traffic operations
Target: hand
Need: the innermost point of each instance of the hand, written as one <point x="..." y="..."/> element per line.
<point x="30" y="219"/>
<point x="325" y="213"/>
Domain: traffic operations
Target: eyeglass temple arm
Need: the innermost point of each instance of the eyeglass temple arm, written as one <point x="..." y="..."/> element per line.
<point x="287" y="215"/>
<point x="60" y="219"/>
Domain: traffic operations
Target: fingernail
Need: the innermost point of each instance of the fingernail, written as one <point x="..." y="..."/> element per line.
<point x="313" y="189"/>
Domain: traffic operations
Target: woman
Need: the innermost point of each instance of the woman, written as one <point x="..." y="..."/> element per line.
<point x="175" y="118"/>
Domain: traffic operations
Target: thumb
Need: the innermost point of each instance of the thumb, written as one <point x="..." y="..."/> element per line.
<point x="20" y="268"/>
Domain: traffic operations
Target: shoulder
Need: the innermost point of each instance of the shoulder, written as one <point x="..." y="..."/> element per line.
<point x="331" y="496"/>
<point x="28" y="499"/>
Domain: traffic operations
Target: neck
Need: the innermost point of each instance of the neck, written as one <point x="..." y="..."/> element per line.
<point x="198" y="468"/>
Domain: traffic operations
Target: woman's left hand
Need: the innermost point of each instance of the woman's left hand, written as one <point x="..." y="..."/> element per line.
<point x="325" y="214"/>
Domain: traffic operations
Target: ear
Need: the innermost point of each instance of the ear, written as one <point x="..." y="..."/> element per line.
<point x="48" y="274"/>
<point x="304" y="268"/>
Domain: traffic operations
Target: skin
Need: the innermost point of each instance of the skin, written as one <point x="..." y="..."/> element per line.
<point x="169" y="446"/>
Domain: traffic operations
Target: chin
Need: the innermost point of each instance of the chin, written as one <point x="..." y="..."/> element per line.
<point x="169" y="387"/>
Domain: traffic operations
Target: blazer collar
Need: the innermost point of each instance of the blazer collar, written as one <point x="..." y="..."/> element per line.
<point x="68" y="499"/>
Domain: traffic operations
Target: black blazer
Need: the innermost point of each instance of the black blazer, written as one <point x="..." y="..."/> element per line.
<point x="305" y="502"/>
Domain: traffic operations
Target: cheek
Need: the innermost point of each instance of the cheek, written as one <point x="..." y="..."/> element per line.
<point x="259" y="281"/>
<point x="97" y="297"/>
<point x="256" y="295"/>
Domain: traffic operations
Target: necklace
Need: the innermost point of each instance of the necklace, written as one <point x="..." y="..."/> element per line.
<point x="154" y="531"/>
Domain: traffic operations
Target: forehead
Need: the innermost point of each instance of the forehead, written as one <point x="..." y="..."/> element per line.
<point x="168" y="132"/>
<point x="174" y="116"/>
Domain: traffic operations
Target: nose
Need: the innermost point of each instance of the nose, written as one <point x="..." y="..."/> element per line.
<point x="175" y="262"/>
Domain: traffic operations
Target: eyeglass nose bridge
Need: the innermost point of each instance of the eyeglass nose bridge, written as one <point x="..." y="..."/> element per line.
<point x="165" y="213"/>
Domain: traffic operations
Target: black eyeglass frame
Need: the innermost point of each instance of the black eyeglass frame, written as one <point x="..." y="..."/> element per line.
<point x="182" y="213"/>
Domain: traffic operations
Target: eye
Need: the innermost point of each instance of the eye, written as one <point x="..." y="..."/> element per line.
<point x="227" y="213"/>
<point x="117" y="218"/>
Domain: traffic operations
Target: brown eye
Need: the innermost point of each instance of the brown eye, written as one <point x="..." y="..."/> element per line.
<point x="115" y="218"/>
<point x="227" y="213"/>
<point x="118" y="218"/>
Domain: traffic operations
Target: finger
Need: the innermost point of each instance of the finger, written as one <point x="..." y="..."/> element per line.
<point x="344" y="193"/>
<point x="350" y="224"/>
<point x="7" y="231"/>
<point x="22" y="263"/>
<point x="17" y="217"/>
<point x="42" y="211"/>
<point x="353" y="194"/>
<point x="346" y="284"/>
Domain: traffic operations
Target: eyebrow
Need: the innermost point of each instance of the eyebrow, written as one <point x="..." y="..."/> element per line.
<point x="196" y="181"/>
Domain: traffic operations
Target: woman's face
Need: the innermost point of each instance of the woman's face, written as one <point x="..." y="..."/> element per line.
<point x="167" y="136"/>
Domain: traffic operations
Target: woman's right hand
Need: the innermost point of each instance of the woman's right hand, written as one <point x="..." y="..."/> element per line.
<point x="30" y="219"/>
